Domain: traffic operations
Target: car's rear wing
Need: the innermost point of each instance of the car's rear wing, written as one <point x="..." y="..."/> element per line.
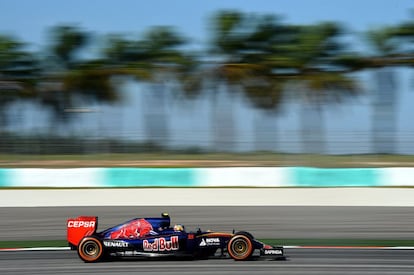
<point x="79" y="227"/>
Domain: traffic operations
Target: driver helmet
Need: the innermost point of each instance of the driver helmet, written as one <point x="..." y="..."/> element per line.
<point x="178" y="227"/>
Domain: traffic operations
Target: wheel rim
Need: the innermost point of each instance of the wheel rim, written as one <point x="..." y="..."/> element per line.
<point x="90" y="249"/>
<point x="240" y="247"/>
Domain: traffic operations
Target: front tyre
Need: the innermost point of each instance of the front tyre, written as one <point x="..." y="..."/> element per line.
<point x="240" y="247"/>
<point x="90" y="249"/>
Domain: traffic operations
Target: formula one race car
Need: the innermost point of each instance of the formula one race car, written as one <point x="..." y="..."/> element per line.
<point x="154" y="237"/>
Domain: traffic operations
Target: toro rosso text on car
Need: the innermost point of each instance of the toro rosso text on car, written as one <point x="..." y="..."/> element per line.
<point x="154" y="237"/>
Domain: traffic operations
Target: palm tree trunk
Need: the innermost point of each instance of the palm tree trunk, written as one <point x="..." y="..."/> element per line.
<point x="384" y="112"/>
<point x="265" y="130"/>
<point x="223" y="123"/>
<point x="312" y="128"/>
<point x="156" y="123"/>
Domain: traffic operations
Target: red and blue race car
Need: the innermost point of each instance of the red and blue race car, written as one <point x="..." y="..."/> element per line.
<point x="155" y="237"/>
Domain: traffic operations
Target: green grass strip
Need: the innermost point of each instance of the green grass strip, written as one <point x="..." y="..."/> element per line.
<point x="171" y="159"/>
<point x="29" y="244"/>
<point x="338" y="242"/>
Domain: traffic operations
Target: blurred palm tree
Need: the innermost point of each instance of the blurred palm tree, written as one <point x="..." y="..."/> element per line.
<point x="243" y="46"/>
<point x="262" y="55"/>
<point x="268" y="48"/>
<point x="391" y="46"/>
<point x="314" y="57"/>
<point x="226" y="43"/>
<point x="385" y="97"/>
<point x="18" y="69"/>
<point x="157" y="59"/>
<point x="163" y="55"/>
<point x="404" y="34"/>
<point x="70" y="77"/>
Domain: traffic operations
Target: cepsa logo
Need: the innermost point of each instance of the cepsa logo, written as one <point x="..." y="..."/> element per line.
<point x="86" y="224"/>
<point x="161" y="244"/>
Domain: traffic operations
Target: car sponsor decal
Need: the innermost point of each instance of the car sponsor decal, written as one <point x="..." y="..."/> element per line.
<point x="112" y="243"/>
<point x="272" y="252"/>
<point x="77" y="224"/>
<point x="210" y="242"/>
<point x="161" y="244"/>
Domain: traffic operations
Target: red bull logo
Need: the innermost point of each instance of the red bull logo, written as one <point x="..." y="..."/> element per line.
<point x="161" y="244"/>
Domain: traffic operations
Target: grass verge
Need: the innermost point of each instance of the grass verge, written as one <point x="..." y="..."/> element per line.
<point x="338" y="242"/>
<point x="169" y="159"/>
<point x="27" y="244"/>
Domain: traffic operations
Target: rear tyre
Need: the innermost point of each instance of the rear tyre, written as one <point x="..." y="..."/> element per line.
<point x="90" y="249"/>
<point x="240" y="247"/>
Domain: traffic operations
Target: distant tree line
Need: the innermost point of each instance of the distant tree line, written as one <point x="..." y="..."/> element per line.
<point x="257" y="55"/>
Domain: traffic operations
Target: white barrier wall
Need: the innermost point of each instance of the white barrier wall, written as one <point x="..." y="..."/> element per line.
<point x="36" y="177"/>
<point x="243" y="177"/>
<point x="207" y="177"/>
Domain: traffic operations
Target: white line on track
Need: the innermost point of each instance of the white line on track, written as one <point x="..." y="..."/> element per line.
<point x="285" y="247"/>
<point x="351" y="247"/>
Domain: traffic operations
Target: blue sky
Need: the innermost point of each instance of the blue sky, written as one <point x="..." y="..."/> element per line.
<point x="29" y="20"/>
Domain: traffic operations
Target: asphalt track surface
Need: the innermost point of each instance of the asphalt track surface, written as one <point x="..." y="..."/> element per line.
<point x="276" y="222"/>
<point x="300" y="261"/>
<point x="264" y="222"/>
